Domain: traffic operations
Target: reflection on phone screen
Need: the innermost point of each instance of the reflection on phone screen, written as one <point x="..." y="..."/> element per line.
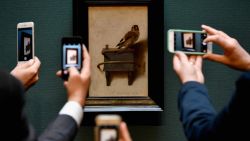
<point x="71" y="55"/>
<point x="25" y="44"/>
<point x="108" y="134"/>
<point x="190" y="42"/>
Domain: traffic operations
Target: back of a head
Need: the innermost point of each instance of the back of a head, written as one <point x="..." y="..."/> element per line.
<point x="12" y="121"/>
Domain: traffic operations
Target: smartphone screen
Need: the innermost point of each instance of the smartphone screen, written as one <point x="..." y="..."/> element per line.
<point x="72" y="55"/>
<point x="25" y="45"/>
<point x="107" y="127"/>
<point x="108" y="133"/>
<point x="188" y="41"/>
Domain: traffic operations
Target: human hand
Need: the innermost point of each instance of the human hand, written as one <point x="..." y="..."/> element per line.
<point x="188" y="68"/>
<point x="234" y="55"/>
<point x="124" y="133"/>
<point x="27" y="72"/>
<point x="78" y="82"/>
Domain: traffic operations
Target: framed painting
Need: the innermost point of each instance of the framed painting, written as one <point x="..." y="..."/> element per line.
<point x="125" y="42"/>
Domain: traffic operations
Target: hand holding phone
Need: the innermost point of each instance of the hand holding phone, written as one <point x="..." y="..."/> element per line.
<point x="71" y="54"/>
<point x="27" y="72"/>
<point x="25" y="41"/>
<point x="107" y="127"/>
<point x="188" y="41"/>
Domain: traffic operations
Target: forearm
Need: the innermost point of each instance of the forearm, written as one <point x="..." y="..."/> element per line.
<point x="231" y="122"/>
<point x="73" y="109"/>
<point x="196" y="111"/>
<point x="64" y="127"/>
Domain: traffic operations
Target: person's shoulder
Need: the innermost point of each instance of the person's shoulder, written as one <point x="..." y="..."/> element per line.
<point x="9" y="84"/>
<point x="244" y="79"/>
<point x="6" y="77"/>
<point x="245" y="75"/>
<point x="3" y="73"/>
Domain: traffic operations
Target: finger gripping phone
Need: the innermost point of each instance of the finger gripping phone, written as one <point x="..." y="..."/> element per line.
<point x="25" y="41"/>
<point x="71" y="54"/>
<point x="188" y="41"/>
<point x="107" y="127"/>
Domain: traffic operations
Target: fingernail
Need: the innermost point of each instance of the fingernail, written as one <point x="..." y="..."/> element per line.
<point x="83" y="45"/>
<point x="203" y="43"/>
<point x="31" y="60"/>
<point x="123" y="124"/>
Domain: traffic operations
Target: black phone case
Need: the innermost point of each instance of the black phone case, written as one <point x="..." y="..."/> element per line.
<point x="69" y="40"/>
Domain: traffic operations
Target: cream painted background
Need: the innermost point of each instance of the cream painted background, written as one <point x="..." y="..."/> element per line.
<point x="107" y="25"/>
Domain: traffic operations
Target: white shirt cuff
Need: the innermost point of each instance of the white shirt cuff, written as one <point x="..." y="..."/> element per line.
<point x="74" y="110"/>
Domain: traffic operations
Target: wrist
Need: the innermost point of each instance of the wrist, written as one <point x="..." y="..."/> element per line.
<point x="79" y="100"/>
<point x="193" y="80"/>
<point x="73" y="109"/>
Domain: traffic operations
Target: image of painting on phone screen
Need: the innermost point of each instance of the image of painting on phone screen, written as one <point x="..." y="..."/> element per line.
<point x="71" y="56"/>
<point x="25" y="44"/>
<point x="188" y="40"/>
<point x="108" y="134"/>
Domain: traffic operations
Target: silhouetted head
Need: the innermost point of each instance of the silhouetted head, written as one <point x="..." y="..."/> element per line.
<point x="13" y="122"/>
<point x="135" y="28"/>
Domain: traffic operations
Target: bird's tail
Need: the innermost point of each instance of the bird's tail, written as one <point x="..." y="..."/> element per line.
<point x="119" y="45"/>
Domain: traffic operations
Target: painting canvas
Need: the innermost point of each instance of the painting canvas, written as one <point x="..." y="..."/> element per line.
<point x="125" y="40"/>
<point x="118" y="47"/>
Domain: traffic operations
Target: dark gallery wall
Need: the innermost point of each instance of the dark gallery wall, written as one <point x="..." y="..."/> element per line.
<point x="53" y="20"/>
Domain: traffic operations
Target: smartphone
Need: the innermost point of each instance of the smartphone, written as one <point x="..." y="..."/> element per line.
<point x="188" y="41"/>
<point x="107" y="127"/>
<point x="71" y="54"/>
<point x="25" y="41"/>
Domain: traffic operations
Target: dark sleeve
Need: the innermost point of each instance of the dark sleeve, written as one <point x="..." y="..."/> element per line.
<point x="196" y="111"/>
<point x="63" y="128"/>
<point x="239" y="103"/>
<point x="233" y="120"/>
<point x="14" y="124"/>
<point x="202" y="123"/>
